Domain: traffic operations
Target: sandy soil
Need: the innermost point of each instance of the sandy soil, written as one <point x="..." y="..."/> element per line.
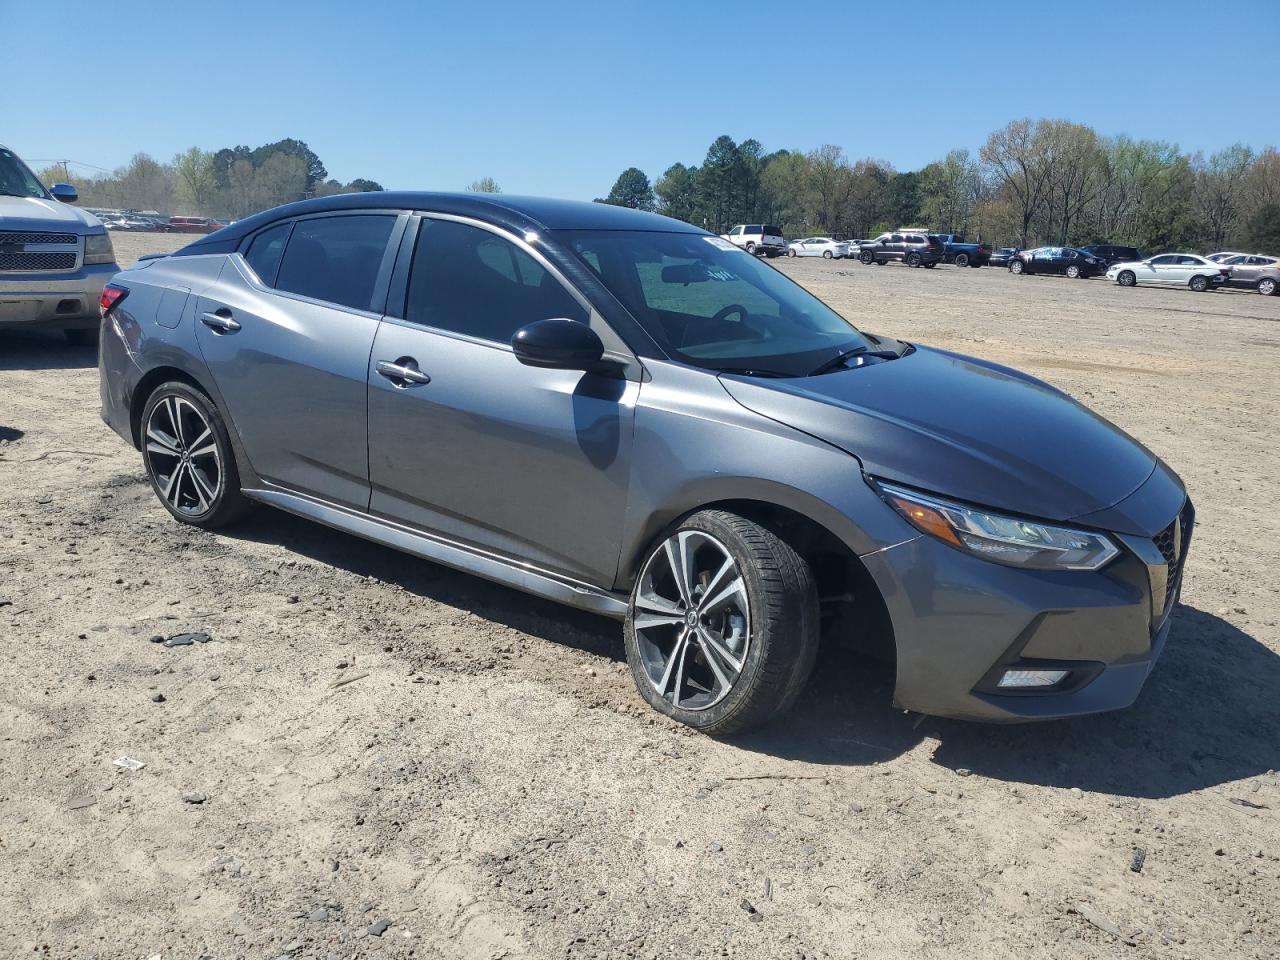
<point x="489" y="784"/>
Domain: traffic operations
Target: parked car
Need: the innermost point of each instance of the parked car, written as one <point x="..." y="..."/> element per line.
<point x="1255" y="272"/>
<point x="1181" y="269"/>
<point x="758" y="238"/>
<point x="955" y="250"/>
<point x="1110" y="253"/>
<point x="818" y="247"/>
<point x="614" y="410"/>
<point x="54" y="259"/>
<point x="913" y="249"/>
<point x="1001" y="256"/>
<point x="193" y="225"/>
<point x="1221" y="257"/>
<point x="1067" y="261"/>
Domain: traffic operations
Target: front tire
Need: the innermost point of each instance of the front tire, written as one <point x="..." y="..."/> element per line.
<point x="1073" y="272"/>
<point x="1127" y="278"/>
<point x="188" y="456"/>
<point x="751" y="249"/>
<point x="722" y="628"/>
<point x="1016" y="267"/>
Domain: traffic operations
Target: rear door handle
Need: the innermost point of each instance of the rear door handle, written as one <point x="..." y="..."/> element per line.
<point x="403" y="372"/>
<point x="221" y="322"/>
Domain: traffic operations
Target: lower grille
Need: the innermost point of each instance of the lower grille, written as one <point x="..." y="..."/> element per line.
<point x="27" y="260"/>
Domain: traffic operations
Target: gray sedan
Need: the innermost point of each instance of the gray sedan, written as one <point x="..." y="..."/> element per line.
<point x="624" y="413"/>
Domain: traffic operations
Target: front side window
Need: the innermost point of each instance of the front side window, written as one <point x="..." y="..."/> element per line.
<point x="16" y="180"/>
<point x="735" y="232"/>
<point x="471" y="281"/>
<point x="336" y="259"/>
<point x="713" y="306"/>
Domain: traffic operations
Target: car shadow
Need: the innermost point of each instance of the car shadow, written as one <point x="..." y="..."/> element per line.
<point x="545" y="619"/>
<point x="44" y="350"/>
<point x="1207" y="716"/>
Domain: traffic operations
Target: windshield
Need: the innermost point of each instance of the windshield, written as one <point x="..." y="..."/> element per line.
<point x="709" y="304"/>
<point x="16" y="180"/>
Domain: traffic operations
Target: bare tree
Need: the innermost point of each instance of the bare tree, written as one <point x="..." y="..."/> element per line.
<point x="484" y="185"/>
<point x="1016" y="157"/>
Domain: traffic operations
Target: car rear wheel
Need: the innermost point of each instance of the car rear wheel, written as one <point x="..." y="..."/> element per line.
<point x="1126" y="278"/>
<point x="1015" y="266"/>
<point x="188" y="456"/>
<point x="1199" y="284"/>
<point x="913" y="259"/>
<point x="827" y="255"/>
<point x="722" y="628"/>
<point x="1267" y="287"/>
<point x="962" y="259"/>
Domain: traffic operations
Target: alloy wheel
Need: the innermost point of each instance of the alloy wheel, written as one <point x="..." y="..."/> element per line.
<point x="182" y="455"/>
<point x="1267" y="287"/>
<point x="1126" y="279"/>
<point x="692" y="620"/>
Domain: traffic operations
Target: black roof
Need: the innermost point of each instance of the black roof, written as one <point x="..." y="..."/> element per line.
<point x="516" y="213"/>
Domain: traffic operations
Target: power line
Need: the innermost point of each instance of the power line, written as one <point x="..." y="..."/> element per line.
<point x="64" y="162"/>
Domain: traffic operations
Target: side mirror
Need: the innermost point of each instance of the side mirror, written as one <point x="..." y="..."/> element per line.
<point x="64" y="192"/>
<point x="558" y="344"/>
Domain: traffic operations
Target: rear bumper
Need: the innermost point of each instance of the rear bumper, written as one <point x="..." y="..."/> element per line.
<point x="64" y="301"/>
<point x="118" y="378"/>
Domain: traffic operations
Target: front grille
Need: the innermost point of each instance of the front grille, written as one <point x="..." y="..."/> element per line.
<point x="37" y="261"/>
<point x="1173" y="542"/>
<point x="11" y="236"/>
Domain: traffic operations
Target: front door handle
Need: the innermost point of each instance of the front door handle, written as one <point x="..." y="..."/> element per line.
<point x="403" y="372"/>
<point x="220" y="322"/>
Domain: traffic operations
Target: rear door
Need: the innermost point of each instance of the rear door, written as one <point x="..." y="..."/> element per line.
<point x="479" y="448"/>
<point x="286" y="333"/>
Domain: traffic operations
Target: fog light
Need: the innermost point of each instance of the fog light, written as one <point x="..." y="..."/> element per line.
<point x="1031" y="678"/>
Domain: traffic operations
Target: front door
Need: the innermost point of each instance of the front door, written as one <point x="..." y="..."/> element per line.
<point x="286" y="333"/>
<point x="475" y="446"/>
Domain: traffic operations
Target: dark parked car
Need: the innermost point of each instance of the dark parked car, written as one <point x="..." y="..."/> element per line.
<point x="624" y="413"/>
<point x="1001" y="256"/>
<point x="1110" y="253"/>
<point x="955" y="250"/>
<point x="913" y="249"/>
<point x="1067" y="261"/>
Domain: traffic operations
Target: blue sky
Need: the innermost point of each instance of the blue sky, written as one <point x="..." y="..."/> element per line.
<point x="558" y="98"/>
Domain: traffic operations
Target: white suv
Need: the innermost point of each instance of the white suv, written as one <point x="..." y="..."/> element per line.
<point x="758" y="238"/>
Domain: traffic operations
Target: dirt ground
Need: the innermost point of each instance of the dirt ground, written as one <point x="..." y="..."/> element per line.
<point x="487" y="783"/>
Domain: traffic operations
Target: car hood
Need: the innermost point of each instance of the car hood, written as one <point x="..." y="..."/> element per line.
<point x="34" y="213"/>
<point x="964" y="428"/>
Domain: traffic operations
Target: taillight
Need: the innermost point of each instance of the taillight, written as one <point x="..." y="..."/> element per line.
<point x="111" y="295"/>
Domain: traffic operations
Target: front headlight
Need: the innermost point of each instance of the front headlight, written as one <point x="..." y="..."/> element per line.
<point x="98" y="249"/>
<point x="992" y="536"/>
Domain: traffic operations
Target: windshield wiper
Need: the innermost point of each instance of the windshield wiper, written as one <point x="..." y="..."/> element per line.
<point x="835" y="362"/>
<point x="756" y="372"/>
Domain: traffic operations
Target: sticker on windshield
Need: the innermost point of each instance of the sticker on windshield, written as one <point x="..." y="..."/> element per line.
<point x="720" y="243"/>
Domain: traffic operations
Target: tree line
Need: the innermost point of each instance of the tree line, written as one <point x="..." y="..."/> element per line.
<point x="1032" y="182"/>
<point x="232" y="182"/>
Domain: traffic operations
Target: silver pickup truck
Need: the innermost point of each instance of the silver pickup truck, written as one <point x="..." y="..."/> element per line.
<point x="54" y="259"/>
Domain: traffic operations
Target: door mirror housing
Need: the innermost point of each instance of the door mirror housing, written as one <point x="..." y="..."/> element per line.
<point x="64" y="192"/>
<point x="558" y="344"/>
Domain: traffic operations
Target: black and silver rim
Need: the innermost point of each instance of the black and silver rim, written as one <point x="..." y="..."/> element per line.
<point x="1126" y="279"/>
<point x="692" y="620"/>
<point x="182" y="455"/>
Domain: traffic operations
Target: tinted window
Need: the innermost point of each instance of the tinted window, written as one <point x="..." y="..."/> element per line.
<point x="1189" y="261"/>
<point x="264" y="252"/>
<point x="772" y="230"/>
<point x="753" y="228"/>
<point x="336" y="259"/>
<point x="1164" y="261"/>
<point x="472" y="281"/>
<point x="735" y="231"/>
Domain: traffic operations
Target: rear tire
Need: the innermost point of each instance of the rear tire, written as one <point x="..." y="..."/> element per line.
<point x="189" y="459"/>
<point x="1127" y="278"/>
<point x="913" y="259"/>
<point x="1267" y="287"/>
<point x="717" y="658"/>
<point x="962" y="260"/>
<point x="827" y="254"/>
<point x="1198" y="284"/>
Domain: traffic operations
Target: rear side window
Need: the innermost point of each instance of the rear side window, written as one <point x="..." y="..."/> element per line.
<point x="471" y="281"/>
<point x="265" y="250"/>
<point x="753" y="228"/>
<point x="336" y="259"/>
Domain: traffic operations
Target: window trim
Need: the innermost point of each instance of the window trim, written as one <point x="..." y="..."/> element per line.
<point x="381" y="282"/>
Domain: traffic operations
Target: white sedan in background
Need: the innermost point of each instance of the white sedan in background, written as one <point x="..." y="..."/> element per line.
<point x="1179" y="269"/>
<point x="818" y="247"/>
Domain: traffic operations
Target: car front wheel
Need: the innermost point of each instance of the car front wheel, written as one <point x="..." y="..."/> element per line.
<point x="1126" y="278"/>
<point x="722" y="627"/>
<point x="1015" y="266"/>
<point x="188" y="457"/>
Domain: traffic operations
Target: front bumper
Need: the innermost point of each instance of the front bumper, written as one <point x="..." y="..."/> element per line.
<point x="959" y="622"/>
<point x="62" y="301"/>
